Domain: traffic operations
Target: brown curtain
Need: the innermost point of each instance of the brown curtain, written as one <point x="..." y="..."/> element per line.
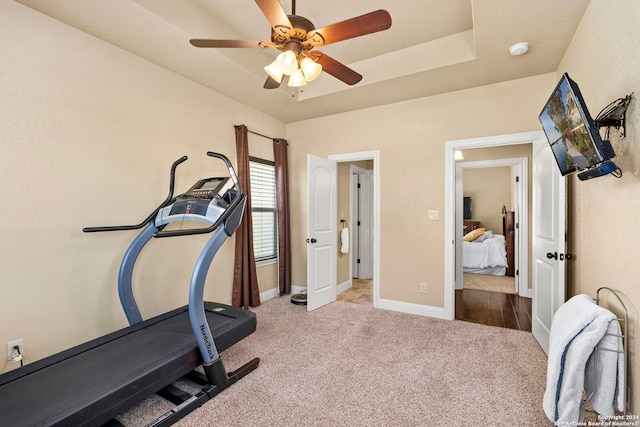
<point x="245" y="279"/>
<point x="282" y="205"/>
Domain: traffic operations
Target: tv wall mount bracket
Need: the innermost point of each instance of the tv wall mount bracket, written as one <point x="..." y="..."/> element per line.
<point x="614" y="115"/>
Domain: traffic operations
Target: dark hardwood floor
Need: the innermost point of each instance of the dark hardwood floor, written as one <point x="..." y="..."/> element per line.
<point x="494" y="309"/>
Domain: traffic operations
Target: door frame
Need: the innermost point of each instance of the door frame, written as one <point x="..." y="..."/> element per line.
<point x="375" y="157"/>
<point x="450" y="203"/>
<point x="522" y="218"/>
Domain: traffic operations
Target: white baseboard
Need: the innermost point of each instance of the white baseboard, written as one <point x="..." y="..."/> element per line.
<point x="344" y="286"/>
<point x="274" y="292"/>
<point x="526" y="293"/>
<point x="269" y="294"/>
<point x="410" y="308"/>
<point x="384" y="304"/>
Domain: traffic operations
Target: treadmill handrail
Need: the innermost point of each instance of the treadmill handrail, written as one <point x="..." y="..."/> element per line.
<point x="125" y="274"/>
<point x="232" y="171"/>
<point x="151" y="217"/>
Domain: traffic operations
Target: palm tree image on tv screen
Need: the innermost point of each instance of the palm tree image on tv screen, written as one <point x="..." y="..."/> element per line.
<point x="573" y="143"/>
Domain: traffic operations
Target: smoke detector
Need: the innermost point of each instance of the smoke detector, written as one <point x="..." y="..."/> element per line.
<point x="519" y="49"/>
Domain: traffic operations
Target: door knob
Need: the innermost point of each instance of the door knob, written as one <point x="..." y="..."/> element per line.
<point x="562" y="256"/>
<point x="312" y="240"/>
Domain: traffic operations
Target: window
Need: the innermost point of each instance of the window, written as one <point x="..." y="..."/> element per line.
<point x="263" y="208"/>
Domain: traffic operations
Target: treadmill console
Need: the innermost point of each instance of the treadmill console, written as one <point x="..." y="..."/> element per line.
<point x="204" y="202"/>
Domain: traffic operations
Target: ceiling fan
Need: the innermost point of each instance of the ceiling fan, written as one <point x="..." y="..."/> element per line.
<point x="296" y="37"/>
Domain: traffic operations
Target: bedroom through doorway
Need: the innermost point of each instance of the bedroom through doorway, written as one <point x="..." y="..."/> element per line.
<point x="492" y="197"/>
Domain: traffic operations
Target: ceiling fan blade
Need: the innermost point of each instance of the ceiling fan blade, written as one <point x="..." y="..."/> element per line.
<point x="271" y="83"/>
<point x="359" y="26"/>
<point x="224" y="43"/>
<point x="277" y="17"/>
<point x="335" y="68"/>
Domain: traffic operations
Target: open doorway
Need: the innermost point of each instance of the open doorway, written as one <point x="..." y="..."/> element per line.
<point x="453" y="233"/>
<point x="357" y="243"/>
<point x="498" y="189"/>
<point x="324" y="222"/>
<point x="493" y="195"/>
<point x="358" y="213"/>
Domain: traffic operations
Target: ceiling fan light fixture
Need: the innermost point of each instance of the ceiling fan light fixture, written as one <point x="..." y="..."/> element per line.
<point x="274" y="71"/>
<point x="310" y="69"/>
<point x="288" y="62"/>
<point x="297" y="79"/>
<point x="294" y="36"/>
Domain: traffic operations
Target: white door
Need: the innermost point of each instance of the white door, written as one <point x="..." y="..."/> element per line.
<point x="361" y="222"/>
<point x="354" y="230"/>
<point x="322" y="237"/>
<point x="365" y="226"/>
<point x="548" y="241"/>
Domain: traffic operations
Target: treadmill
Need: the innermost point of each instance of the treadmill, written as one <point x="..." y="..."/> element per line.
<point x="92" y="383"/>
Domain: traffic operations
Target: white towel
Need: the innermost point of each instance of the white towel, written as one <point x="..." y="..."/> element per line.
<point x="344" y="241"/>
<point x="577" y="328"/>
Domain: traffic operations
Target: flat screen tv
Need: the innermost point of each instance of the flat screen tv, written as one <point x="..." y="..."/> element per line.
<point x="573" y="136"/>
<point x="466" y="207"/>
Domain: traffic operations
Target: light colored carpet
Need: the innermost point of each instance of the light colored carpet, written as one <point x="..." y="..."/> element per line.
<point x="490" y="283"/>
<point x="352" y="365"/>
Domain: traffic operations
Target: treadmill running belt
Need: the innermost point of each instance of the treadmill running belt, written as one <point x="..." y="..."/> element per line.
<point x="92" y="383"/>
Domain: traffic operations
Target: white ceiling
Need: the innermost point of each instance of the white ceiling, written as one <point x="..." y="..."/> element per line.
<point x="433" y="46"/>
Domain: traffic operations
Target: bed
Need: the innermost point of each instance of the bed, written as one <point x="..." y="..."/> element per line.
<point x="485" y="254"/>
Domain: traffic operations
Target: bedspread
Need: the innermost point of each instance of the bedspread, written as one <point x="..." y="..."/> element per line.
<point x="491" y="252"/>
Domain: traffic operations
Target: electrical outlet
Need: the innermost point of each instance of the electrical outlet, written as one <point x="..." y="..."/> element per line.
<point x="11" y="351"/>
<point x="423" y="287"/>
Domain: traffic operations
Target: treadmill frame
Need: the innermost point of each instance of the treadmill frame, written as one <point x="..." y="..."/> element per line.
<point x="174" y="366"/>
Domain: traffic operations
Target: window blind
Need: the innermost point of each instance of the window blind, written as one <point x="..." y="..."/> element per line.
<point x="263" y="208"/>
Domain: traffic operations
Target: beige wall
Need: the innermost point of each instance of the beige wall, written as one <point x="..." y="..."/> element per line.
<point x="490" y="190"/>
<point x="88" y="133"/>
<point x="410" y="137"/>
<point x="602" y="225"/>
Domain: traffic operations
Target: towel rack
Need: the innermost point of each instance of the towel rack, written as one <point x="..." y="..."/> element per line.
<point x="344" y="223"/>
<point x="624" y="349"/>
